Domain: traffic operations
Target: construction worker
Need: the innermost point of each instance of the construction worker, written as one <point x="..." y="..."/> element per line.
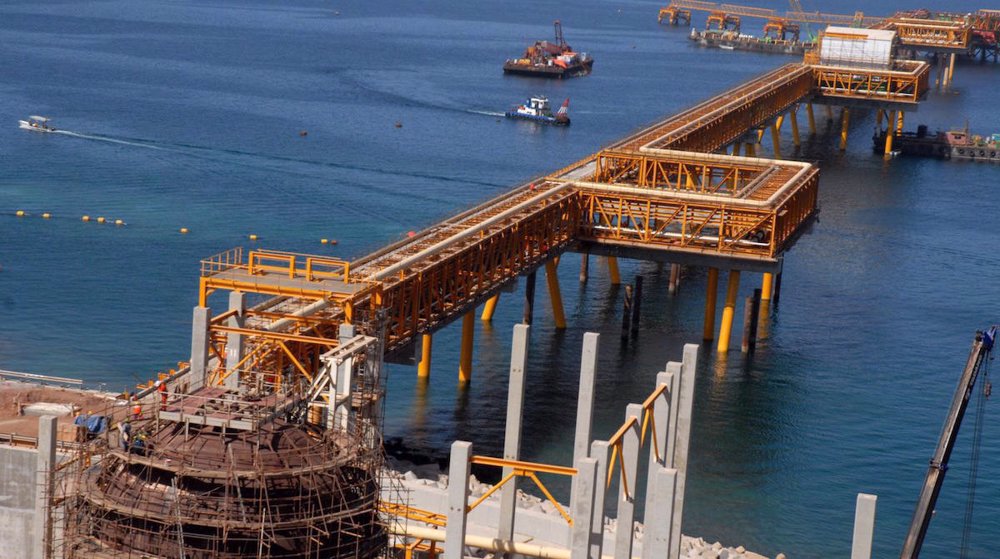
<point x="161" y="387"/>
<point x="126" y="433"/>
<point x="137" y="410"/>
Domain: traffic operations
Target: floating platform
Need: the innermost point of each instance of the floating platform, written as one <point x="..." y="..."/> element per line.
<point x="954" y="144"/>
<point x="517" y="67"/>
<point x="731" y="40"/>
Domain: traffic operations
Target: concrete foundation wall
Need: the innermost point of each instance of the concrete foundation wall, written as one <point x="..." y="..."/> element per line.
<point x="17" y="502"/>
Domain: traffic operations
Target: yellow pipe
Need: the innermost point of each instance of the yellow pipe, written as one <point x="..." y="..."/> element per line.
<point x="424" y="366"/>
<point x="844" y="121"/>
<point x="490" y="307"/>
<point x="726" y="329"/>
<point x="776" y="139"/>
<point x="793" y="114"/>
<point x="465" y="355"/>
<point x="890" y="132"/>
<point x="812" y="119"/>
<point x="616" y="278"/>
<point x="552" y="279"/>
<point x="766" y="287"/>
<point x="710" y="296"/>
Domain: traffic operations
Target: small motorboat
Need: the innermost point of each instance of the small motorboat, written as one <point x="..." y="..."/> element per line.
<point x="537" y="109"/>
<point x="37" y="123"/>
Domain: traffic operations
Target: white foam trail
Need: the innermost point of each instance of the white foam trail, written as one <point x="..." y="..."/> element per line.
<point x="487" y="113"/>
<point x="109" y="140"/>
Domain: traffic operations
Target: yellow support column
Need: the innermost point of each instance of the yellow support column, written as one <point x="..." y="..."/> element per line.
<point x="878" y="118"/>
<point x="465" y="355"/>
<point x="766" y="287"/>
<point x="750" y="150"/>
<point x="890" y="132"/>
<point x="899" y="123"/>
<point x="951" y="68"/>
<point x="793" y="115"/>
<point x="812" y="119"/>
<point x="616" y="278"/>
<point x="736" y="148"/>
<point x="844" y="121"/>
<point x="555" y="295"/>
<point x="829" y="113"/>
<point x="726" y="329"/>
<point x="490" y="307"/>
<point x="776" y="139"/>
<point x="424" y="366"/>
<point x="711" y="293"/>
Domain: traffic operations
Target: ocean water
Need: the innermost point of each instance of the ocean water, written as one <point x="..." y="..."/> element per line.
<point x="189" y="113"/>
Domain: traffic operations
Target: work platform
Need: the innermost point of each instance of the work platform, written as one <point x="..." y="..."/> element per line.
<point x="953" y="35"/>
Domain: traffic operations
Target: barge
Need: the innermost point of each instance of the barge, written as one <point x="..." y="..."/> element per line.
<point x="550" y="60"/>
<point x="953" y="144"/>
<point x="734" y="40"/>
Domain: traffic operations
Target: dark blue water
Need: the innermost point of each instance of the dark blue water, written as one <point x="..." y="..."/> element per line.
<point x="188" y="114"/>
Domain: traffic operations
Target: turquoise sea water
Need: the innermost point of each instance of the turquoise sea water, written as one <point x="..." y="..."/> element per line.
<point x="188" y="114"/>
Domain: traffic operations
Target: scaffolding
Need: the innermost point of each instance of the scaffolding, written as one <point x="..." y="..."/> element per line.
<point x="266" y="469"/>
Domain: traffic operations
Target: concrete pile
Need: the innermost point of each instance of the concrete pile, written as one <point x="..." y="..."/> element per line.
<point x="419" y="481"/>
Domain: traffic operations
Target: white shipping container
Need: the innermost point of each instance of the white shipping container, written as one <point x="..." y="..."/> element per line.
<point x="846" y="46"/>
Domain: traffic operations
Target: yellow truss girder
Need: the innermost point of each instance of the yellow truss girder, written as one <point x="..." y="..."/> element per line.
<point x="907" y="86"/>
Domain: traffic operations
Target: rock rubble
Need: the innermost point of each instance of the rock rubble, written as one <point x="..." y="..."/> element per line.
<point x="407" y="473"/>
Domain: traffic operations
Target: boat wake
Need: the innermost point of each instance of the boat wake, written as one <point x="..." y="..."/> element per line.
<point x="487" y="113"/>
<point x="261" y="160"/>
<point x="102" y="138"/>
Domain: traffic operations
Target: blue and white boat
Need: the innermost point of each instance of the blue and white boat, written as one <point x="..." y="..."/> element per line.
<point x="537" y="109"/>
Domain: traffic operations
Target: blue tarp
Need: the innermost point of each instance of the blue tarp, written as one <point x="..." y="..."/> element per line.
<point x="95" y="424"/>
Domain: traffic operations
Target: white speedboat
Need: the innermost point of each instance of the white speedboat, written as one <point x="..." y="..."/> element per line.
<point x="37" y="123"/>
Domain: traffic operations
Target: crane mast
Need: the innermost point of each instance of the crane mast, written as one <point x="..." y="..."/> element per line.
<point x="981" y="348"/>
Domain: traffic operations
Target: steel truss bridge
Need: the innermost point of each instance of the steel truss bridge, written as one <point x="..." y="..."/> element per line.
<point x="669" y="192"/>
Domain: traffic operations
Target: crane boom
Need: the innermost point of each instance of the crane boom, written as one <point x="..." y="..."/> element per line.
<point x="981" y="348"/>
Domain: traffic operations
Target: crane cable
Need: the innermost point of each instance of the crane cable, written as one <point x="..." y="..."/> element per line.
<point x="977" y="438"/>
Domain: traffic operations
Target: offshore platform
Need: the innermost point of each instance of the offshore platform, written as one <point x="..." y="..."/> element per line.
<point x="266" y="442"/>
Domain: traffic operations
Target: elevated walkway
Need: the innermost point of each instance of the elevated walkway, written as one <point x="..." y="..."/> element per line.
<point x="663" y="193"/>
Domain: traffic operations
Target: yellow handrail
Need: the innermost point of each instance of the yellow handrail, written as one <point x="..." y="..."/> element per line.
<point x="524" y="469"/>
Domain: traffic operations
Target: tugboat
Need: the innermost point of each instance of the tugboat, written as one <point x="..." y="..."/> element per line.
<point x="537" y="109"/>
<point x="550" y="60"/>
